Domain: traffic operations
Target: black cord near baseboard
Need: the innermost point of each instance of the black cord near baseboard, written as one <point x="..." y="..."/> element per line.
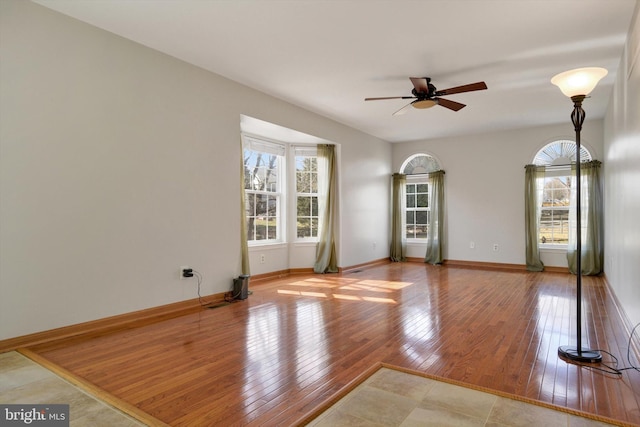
<point x="614" y="369"/>
<point x="199" y="279"/>
<point x="631" y="365"/>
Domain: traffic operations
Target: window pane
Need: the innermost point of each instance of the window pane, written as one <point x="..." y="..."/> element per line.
<point x="250" y="204"/>
<point x="554" y="226"/>
<point x="422" y="201"/>
<point x="422" y="217"/>
<point x="302" y="182"/>
<point x="411" y="217"/>
<point x="261" y="171"/>
<point x="423" y="188"/>
<point x="304" y="227"/>
<point x="421" y="231"/>
<point x="307" y="198"/>
<point x="556" y="191"/>
<point x="306" y="174"/>
<point x="411" y="188"/>
<point x="272" y="228"/>
<point x="250" y="228"/>
<point x="261" y="205"/>
<point x="411" y="201"/>
<point x="262" y="186"/>
<point x="304" y="206"/>
<point x="272" y="208"/>
<point x="261" y="230"/>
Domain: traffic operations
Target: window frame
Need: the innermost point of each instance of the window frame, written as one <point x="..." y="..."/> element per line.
<point x="265" y="146"/>
<point x="562" y="172"/>
<point x="417" y="168"/>
<point x="558" y="157"/>
<point x="286" y="194"/>
<point x="308" y="151"/>
<point x="416" y="180"/>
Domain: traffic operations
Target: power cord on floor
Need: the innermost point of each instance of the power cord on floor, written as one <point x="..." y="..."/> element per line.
<point x="614" y="369"/>
<point x="199" y="279"/>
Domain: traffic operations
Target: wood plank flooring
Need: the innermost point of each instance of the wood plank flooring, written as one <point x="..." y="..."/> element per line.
<point x="295" y="342"/>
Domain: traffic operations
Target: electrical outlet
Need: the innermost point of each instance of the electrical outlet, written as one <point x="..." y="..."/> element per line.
<point x="262" y="258"/>
<point x="182" y="269"/>
<point x="495" y="247"/>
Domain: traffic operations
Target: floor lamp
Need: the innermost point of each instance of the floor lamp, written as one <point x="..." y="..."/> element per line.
<point x="577" y="84"/>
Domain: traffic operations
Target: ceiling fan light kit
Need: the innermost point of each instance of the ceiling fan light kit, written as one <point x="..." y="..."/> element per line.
<point x="421" y="104"/>
<point x="426" y="95"/>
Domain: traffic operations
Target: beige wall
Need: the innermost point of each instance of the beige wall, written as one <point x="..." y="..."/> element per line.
<point x="484" y="188"/>
<point x="120" y="164"/>
<point x="622" y="179"/>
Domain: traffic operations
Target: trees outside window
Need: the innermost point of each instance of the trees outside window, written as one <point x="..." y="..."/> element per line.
<point x="554" y="214"/>
<point x="557" y="157"/>
<point x="262" y="176"/>
<point x="417" y="209"/>
<point x="277" y="188"/>
<point x="306" y="194"/>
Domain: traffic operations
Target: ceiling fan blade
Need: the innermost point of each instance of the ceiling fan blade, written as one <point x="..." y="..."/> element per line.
<point x="420" y="83"/>
<point x="389" y="97"/>
<point x="403" y="110"/>
<point x="464" y="88"/>
<point x="452" y="105"/>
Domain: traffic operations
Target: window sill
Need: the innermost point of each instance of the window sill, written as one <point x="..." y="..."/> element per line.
<point x="554" y="248"/>
<point x="270" y="245"/>
<point x="301" y="243"/>
<point x="281" y="245"/>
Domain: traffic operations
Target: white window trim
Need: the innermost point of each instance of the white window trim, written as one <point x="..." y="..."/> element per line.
<point x="415" y="179"/>
<point x="559" y="170"/>
<point x="287" y="228"/>
<point x="278" y="148"/>
<point x="304" y="150"/>
<point x="420" y="178"/>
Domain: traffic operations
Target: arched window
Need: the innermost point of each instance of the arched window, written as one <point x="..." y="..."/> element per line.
<point x="419" y="164"/>
<point x="557" y="157"/>
<point x="560" y="153"/>
<point x="417" y="209"/>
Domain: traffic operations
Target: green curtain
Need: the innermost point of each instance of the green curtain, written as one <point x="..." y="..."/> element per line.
<point x="533" y="176"/>
<point x="326" y="260"/>
<point x="244" y="246"/>
<point x="591" y="217"/>
<point x="398" y="242"/>
<point x="435" y="236"/>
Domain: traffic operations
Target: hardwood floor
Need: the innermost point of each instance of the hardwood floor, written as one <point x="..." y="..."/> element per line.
<point x="295" y="342"/>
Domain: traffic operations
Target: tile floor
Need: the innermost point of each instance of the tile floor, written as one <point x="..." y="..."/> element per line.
<point x="387" y="398"/>
<point x="24" y="381"/>
<point x="394" y="398"/>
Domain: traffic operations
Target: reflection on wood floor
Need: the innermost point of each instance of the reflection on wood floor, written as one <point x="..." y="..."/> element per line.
<point x="296" y="341"/>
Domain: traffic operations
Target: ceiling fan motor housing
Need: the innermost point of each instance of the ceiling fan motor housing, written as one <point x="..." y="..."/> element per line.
<point x="426" y="95"/>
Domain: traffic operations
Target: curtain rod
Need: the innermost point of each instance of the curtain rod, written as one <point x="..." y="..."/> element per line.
<point x="562" y="165"/>
<point x="419" y="174"/>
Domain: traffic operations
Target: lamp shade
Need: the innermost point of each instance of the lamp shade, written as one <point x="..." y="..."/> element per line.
<point x="580" y="81"/>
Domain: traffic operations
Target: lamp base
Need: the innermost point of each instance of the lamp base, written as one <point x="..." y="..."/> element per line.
<point x="585" y="356"/>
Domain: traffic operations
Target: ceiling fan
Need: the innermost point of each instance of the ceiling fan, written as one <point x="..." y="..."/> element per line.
<point x="426" y="95"/>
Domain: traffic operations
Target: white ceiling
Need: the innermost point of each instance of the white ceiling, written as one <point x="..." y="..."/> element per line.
<point x="328" y="55"/>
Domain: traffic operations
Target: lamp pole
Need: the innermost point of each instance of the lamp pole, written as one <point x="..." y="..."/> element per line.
<point x="577" y="84"/>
